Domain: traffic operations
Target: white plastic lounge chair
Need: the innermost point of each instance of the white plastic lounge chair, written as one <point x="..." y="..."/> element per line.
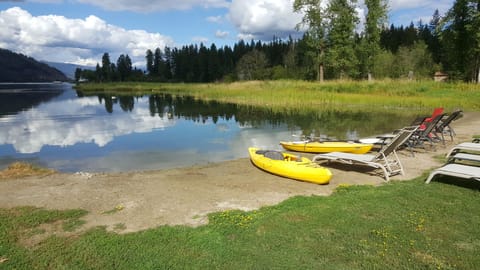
<point x="464" y="157"/>
<point x="456" y="170"/>
<point x="464" y="147"/>
<point x="386" y="159"/>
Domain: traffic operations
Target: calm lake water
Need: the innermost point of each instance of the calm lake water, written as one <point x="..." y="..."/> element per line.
<point x="54" y="126"/>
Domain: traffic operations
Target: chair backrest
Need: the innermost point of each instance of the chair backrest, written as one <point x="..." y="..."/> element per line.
<point x="431" y="125"/>
<point x="418" y="120"/>
<point x="402" y="136"/>
<point x="444" y="123"/>
<point x="436" y="112"/>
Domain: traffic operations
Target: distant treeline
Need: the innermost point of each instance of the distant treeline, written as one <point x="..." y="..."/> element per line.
<point x="414" y="51"/>
<point x="16" y="67"/>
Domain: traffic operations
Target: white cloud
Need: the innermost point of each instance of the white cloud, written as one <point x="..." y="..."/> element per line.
<point x="407" y="4"/>
<point x="247" y="37"/>
<point x="221" y="34"/>
<point x="402" y="12"/>
<point x="155" y="5"/>
<point x="215" y="19"/>
<point x="81" y="41"/>
<point x="263" y="19"/>
<point x="199" y="39"/>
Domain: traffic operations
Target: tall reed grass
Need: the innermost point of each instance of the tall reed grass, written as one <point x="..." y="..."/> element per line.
<point x="339" y="95"/>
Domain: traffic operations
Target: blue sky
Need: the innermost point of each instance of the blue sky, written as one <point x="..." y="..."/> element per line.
<point x="80" y="31"/>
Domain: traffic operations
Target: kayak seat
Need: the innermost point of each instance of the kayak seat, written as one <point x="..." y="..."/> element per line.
<point x="273" y="155"/>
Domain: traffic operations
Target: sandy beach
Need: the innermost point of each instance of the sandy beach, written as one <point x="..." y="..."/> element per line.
<point x="185" y="196"/>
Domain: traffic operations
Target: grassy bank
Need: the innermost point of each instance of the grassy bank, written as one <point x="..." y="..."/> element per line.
<point x="400" y="225"/>
<point x="21" y="169"/>
<point x="288" y="94"/>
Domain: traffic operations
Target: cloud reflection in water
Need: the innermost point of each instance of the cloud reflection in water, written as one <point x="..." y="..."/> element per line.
<point x="68" y="122"/>
<point x="79" y="134"/>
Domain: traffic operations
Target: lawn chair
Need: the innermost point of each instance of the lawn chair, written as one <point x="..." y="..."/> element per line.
<point x="419" y="120"/>
<point x="464" y="147"/>
<point x="386" y="159"/>
<point x="436" y="112"/>
<point x="443" y="127"/>
<point x="456" y="170"/>
<point x="469" y="169"/>
<point x="420" y="136"/>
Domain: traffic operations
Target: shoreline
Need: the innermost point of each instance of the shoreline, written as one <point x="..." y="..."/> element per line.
<point x="185" y="196"/>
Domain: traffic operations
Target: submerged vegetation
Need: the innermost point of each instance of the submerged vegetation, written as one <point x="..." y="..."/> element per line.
<point x="307" y="96"/>
<point x="400" y="225"/>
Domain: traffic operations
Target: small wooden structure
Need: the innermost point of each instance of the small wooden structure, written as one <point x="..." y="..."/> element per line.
<point x="440" y="76"/>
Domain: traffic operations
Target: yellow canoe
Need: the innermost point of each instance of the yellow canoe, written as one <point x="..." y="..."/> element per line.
<point x="327" y="146"/>
<point x="290" y="166"/>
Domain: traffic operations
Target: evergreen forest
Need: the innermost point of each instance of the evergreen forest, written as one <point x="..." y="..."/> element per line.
<point x="332" y="47"/>
<point x="15" y="67"/>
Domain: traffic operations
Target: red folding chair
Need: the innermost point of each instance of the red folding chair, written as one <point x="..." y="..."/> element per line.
<point x="436" y="112"/>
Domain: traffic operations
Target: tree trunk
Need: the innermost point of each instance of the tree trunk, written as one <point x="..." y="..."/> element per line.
<point x="478" y="76"/>
<point x="370" y="77"/>
<point x="320" y="73"/>
<point x="320" y="66"/>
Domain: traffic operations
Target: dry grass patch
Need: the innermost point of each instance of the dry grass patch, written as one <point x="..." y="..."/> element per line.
<point x="22" y="169"/>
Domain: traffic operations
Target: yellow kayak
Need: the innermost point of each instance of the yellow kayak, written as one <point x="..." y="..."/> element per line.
<point x="327" y="146"/>
<point x="288" y="165"/>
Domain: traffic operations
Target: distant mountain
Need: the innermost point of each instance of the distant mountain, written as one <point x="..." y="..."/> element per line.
<point x="16" y="67"/>
<point x="68" y="69"/>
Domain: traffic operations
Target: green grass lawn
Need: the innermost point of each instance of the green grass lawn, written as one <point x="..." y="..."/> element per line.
<point x="399" y="225"/>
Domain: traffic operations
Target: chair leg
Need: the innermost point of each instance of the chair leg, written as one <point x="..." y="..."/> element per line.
<point x="430" y="177"/>
<point x="385" y="173"/>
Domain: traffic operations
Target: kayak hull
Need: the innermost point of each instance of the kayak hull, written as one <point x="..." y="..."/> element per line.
<point x="327" y="146"/>
<point x="290" y="166"/>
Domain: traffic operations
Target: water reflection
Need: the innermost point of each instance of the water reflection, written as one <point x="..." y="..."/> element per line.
<point x="67" y="123"/>
<point x="19" y="97"/>
<point x="73" y="132"/>
<point x="341" y="124"/>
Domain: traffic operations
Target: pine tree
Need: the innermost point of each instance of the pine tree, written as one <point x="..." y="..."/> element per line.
<point x="106" y="68"/>
<point x="316" y="35"/>
<point x="376" y="16"/>
<point x="341" y="52"/>
<point x="460" y="39"/>
<point x="149" y="59"/>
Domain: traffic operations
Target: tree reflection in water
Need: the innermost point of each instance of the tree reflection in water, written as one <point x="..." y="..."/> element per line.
<point x="334" y="123"/>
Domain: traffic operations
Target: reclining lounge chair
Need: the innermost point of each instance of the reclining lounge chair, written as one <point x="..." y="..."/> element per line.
<point x="464" y="147"/>
<point x="469" y="170"/>
<point x="443" y="127"/>
<point x="436" y="112"/>
<point x="386" y="159"/>
<point x="456" y="170"/>
<point x="424" y="134"/>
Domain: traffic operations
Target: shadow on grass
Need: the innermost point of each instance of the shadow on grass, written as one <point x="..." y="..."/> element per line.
<point x="460" y="182"/>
